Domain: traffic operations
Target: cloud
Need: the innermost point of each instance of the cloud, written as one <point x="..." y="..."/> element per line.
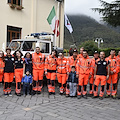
<point x="83" y="7"/>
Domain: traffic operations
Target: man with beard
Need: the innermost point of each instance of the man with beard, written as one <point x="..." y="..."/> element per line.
<point x="101" y="74"/>
<point x="84" y="73"/>
<point x="38" y="60"/>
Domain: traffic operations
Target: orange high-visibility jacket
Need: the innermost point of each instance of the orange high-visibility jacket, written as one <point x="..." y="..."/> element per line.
<point x="84" y="66"/>
<point x="71" y="62"/>
<point x="62" y="65"/>
<point x="93" y="65"/>
<point x="113" y="64"/>
<point x="2" y="65"/>
<point x="118" y="61"/>
<point x="38" y="61"/>
<point x="50" y="63"/>
<point x="80" y="56"/>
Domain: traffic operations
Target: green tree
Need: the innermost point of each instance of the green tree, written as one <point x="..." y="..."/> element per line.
<point x="90" y="46"/>
<point x="110" y="12"/>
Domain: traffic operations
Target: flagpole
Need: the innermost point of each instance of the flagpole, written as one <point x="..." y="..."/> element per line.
<point x="56" y="23"/>
<point x="73" y="40"/>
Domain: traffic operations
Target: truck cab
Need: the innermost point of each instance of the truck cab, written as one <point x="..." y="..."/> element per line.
<point x="29" y="43"/>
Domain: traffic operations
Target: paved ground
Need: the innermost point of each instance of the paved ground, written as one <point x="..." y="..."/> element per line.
<point x="45" y="107"/>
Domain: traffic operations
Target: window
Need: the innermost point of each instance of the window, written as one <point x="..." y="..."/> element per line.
<point x="44" y="47"/>
<point x="9" y="1"/>
<point x="16" y="2"/>
<point x="29" y="46"/>
<point x="13" y="33"/>
<point x="15" y="45"/>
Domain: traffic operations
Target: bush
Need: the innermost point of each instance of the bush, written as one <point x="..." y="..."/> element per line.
<point x="107" y="51"/>
<point x="90" y="46"/>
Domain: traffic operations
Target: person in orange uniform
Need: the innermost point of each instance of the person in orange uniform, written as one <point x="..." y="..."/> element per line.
<point x="18" y="71"/>
<point x="62" y="72"/>
<point x="50" y="71"/>
<point x="118" y="61"/>
<point x="2" y="65"/>
<point x="84" y="73"/>
<point x="91" y="81"/>
<point x="72" y="61"/>
<point x="113" y="75"/>
<point x="38" y="60"/>
<point x="101" y="74"/>
<point x="8" y="72"/>
<point x="81" y="52"/>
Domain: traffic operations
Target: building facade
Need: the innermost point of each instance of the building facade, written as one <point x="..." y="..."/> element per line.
<point x="23" y="17"/>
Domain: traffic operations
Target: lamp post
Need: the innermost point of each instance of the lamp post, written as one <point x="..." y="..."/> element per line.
<point x="99" y="40"/>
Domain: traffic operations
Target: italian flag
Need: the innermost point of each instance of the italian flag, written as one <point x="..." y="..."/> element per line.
<point x="53" y="21"/>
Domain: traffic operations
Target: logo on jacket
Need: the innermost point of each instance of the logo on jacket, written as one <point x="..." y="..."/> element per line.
<point x="104" y="63"/>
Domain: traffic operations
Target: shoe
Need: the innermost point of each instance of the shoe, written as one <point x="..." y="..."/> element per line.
<point x="10" y="95"/>
<point x="114" y="96"/>
<point x="79" y="96"/>
<point x="53" y="93"/>
<point x="50" y="93"/>
<point x="61" y="93"/>
<point x="18" y="94"/>
<point x="5" y="95"/>
<point x="67" y="95"/>
<point x="94" y="96"/>
<point x="90" y="95"/>
<point x="101" y="98"/>
<point x="38" y="92"/>
<point x="34" y="92"/>
<point x="85" y="96"/>
<point x="107" y="96"/>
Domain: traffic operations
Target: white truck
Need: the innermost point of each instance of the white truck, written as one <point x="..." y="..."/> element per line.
<point x="29" y="43"/>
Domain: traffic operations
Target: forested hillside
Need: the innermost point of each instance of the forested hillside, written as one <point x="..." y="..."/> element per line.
<point x="86" y="28"/>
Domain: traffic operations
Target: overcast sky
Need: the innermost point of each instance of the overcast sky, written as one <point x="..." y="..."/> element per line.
<point x="83" y="7"/>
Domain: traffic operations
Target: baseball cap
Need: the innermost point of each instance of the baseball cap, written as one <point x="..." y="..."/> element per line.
<point x="75" y="50"/>
<point x="95" y="52"/>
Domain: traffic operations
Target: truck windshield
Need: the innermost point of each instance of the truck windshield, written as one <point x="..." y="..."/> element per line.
<point x="31" y="45"/>
<point x="15" y="45"/>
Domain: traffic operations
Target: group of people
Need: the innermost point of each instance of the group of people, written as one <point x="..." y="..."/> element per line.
<point x="73" y="73"/>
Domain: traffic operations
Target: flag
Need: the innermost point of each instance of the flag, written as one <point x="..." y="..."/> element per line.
<point x="67" y="24"/>
<point x="53" y="21"/>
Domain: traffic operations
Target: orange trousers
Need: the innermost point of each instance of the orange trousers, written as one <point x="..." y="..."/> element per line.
<point x="37" y="79"/>
<point x="112" y="79"/>
<point x="38" y="74"/>
<point x="91" y="82"/>
<point x="37" y="85"/>
<point x="83" y="81"/>
<point x="18" y="78"/>
<point x="102" y="79"/>
<point x="8" y="79"/>
<point x="51" y="81"/>
<point x="62" y="78"/>
<point x="1" y="76"/>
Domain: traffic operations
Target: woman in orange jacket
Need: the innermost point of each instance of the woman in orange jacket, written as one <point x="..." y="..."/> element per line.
<point x="18" y="71"/>
<point x="50" y="71"/>
<point x="2" y="65"/>
<point x="62" y="72"/>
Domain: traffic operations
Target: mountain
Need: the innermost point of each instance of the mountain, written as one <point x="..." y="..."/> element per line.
<point x="86" y="28"/>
